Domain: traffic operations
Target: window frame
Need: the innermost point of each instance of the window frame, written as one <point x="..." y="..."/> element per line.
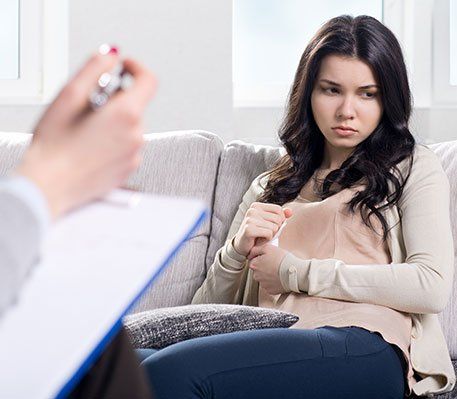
<point x="43" y="53"/>
<point x="444" y="93"/>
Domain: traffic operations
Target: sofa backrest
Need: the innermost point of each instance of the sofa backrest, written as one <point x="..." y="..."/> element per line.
<point x="12" y="147"/>
<point x="180" y="164"/>
<point x="240" y="164"/>
<point x="183" y="164"/>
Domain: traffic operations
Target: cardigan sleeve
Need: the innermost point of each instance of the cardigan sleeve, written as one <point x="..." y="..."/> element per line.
<point x="422" y="284"/>
<point x="225" y="276"/>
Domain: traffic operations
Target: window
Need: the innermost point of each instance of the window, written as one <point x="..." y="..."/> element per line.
<point x="453" y="41"/>
<point x="33" y="40"/>
<point x="9" y="39"/>
<point x="269" y="37"/>
<point x="444" y="53"/>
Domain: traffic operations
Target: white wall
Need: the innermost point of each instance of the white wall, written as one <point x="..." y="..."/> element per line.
<point x="187" y="43"/>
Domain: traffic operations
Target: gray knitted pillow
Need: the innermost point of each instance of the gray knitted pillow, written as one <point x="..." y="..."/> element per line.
<point x="162" y="327"/>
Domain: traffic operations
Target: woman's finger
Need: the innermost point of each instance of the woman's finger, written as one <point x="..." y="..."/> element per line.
<point x="272" y="217"/>
<point x="265" y="224"/>
<point x="255" y="251"/>
<point x="268" y="207"/>
<point x="287" y="212"/>
<point x="261" y="232"/>
<point x="260" y="242"/>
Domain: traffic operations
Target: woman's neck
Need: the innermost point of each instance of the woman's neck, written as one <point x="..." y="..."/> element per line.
<point x="334" y="157"/>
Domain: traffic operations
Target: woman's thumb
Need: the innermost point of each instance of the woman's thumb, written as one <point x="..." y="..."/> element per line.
<point x="287" y="212"/>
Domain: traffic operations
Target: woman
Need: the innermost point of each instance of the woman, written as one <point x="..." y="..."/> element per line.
<point x="365" y="257"/>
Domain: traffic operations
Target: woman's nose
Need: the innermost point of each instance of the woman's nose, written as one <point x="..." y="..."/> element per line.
<point x="346" y="109"/>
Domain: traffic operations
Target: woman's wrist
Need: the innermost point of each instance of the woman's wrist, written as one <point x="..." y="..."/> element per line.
<point x="293" y="273"/>
<point x="238" y="251"/>
<point x="234" y="253"/>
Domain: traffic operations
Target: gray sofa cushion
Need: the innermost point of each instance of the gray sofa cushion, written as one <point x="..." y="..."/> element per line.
<point x="240" y="164"/>
<point x="182" y="164"/>
<point x="12" y="147"/>
<point x="162" y="327"/>
<point x="447" y="152"/>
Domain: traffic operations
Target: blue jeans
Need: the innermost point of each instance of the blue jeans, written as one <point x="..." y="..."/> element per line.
<point x="326" y="362"/>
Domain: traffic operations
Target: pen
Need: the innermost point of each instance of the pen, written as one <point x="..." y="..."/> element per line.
<point x="108" y="84"/>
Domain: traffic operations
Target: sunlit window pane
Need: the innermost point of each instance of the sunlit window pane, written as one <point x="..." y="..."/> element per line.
<point x="269" y="36"/>
<point x="9" y="39"/>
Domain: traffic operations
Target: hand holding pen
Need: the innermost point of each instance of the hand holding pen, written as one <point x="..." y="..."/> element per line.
<point x="80" y="152"/>
<point x="108" y="83"/>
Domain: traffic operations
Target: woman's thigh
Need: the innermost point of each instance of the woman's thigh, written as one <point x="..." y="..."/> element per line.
<point x="327" y="362"/>
<point x="143" y="354"/>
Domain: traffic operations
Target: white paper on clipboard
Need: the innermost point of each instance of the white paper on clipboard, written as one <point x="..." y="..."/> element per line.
<point x="95" y="263"/>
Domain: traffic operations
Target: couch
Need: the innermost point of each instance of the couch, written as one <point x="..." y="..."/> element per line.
<point x="198" y="164"/>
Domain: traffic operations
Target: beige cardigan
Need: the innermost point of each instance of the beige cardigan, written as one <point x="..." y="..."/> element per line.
<point x="418" y="281"/>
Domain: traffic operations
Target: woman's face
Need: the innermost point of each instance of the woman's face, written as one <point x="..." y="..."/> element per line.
<point x="346" y="102"/>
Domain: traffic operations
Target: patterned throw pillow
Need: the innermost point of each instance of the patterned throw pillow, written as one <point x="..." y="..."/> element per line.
<point x="162" y="327"/>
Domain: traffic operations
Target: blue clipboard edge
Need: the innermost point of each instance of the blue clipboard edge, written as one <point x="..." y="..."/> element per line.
<point x="96" y="353"/>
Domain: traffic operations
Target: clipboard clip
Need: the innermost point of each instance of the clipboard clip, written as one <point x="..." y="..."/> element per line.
<point x="123" y="198"/>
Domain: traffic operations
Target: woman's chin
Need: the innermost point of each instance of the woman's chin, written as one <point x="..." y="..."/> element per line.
<point x="343" y="143"/>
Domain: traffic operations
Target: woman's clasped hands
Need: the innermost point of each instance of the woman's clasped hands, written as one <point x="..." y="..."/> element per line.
<point x="260" y="224"/>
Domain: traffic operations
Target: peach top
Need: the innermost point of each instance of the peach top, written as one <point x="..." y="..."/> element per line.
<point x="325" y="229"/>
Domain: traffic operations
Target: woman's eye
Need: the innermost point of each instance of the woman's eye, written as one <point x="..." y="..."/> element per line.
<point x="331" y="90"/>
<point x="368" y="95"/>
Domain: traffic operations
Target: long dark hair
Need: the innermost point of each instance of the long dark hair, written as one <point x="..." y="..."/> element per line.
<point x="374" y="161"/>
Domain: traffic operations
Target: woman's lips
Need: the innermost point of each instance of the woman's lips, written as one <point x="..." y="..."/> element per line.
<point x="343" y="132"/>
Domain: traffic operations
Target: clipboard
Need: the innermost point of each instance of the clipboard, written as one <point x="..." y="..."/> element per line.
<point x="95" y="263"/>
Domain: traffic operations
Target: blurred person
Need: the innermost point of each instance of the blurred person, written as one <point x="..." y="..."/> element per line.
<point x="76" y="155"/>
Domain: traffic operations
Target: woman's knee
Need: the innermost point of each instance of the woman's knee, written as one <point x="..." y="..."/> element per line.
<point x="177" y="371"/>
